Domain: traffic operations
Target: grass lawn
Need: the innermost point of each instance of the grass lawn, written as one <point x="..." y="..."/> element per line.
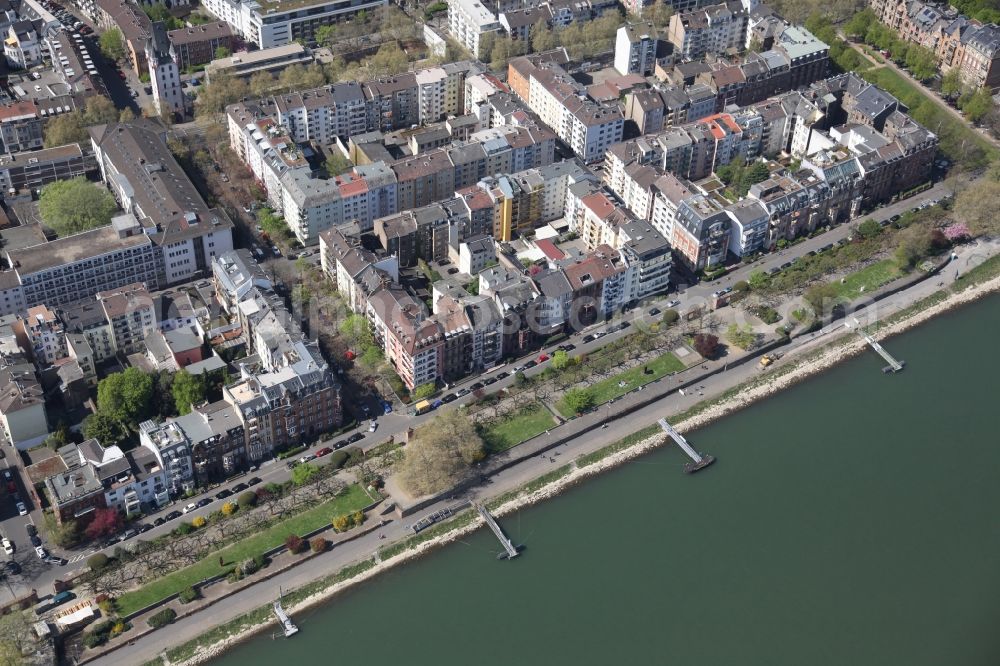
<point x="352" y="499"/>
<point x="630" y="379"/>
<point x="524" y="425"/>
<point x="871" y="278"/>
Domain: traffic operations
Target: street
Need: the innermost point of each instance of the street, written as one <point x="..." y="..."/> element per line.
<point x="39" y="575"/>
<point x="591" y="437"/>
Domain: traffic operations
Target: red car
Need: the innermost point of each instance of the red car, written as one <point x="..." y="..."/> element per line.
<point x="543" y="358"/>
<point x="324" y="452"/>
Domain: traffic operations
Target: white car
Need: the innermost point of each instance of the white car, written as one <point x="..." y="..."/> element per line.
<point x="21" y="509"/>
<point x="373" y="426"/>
<point x="41" y="552"/>
<point x="190" y="507"/>
<point x="8" y="547"/>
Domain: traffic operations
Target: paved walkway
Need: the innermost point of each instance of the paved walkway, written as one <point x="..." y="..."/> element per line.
<point x="591" y="438"/>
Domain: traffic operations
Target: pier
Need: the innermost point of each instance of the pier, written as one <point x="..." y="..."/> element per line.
<point x="286" y="622"/>
<point x="894" y="365"/>
<point x="698" y="461"/>
<point x="508" y="546"/>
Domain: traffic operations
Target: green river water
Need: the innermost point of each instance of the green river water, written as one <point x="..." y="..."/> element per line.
<point x="851" y="520"/>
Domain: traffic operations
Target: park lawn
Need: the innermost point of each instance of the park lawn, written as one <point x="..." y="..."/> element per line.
<point x="518" y="428"/>
<point x="353" y="499"/>
<point x="871" y="278"/>
<point x="633" y="378"/>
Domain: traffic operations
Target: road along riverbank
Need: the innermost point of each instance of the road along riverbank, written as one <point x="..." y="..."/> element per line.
<point x="797" y="365"/>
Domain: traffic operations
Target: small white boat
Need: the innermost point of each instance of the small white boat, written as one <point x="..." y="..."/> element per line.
<point x="286" y="622"/>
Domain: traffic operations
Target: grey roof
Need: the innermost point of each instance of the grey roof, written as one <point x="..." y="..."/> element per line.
<point x="553" y="284"/>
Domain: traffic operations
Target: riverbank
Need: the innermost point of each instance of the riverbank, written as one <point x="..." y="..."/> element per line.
<point x="796" y="366"/>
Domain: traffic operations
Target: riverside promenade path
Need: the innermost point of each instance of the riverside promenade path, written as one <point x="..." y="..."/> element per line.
<point x="591" y="438"/>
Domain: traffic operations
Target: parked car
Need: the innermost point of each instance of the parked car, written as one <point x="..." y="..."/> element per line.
<point x="253" y="481"/>
<point x="339" y="445"/>
<point x="129" y="533"/>
<point x="223" y="494"/>
<point x="204" y="502"/>
<point x="372" y="426"/>
<point x="503" y="375"/>
<point x="529" y="364"/>
<point x="448" y="398"/>
<point x="8" y="547"/>
<point x="588" y="338"/>
<point x="159" y="521"/>
<point x="21" y="509"/>
<point x="325" y="451"/>
<point x="542" y="358"/>
<point x="673" y="304"/>
<point x="654" y="312"/>
<point x="461" y="393"/>
<point x="489" y="380"/>
<point x="386" y="407"/>
<point x="62" y="597"/>
<point x="145" y="527"/>
<point x="452" y="270"/>
<point x="34" y="539"/>
<point x="53" y="559"/>
<point x="41" y="552"/>
<point x="190" y="507"/>
<point x="240" y="487"/>
<point x="306" y="458"/>
<point x="173" y="515"/>
<point x="476" y="386"/>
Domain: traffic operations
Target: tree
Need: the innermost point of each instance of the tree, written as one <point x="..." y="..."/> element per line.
<point x="125" y="396"/>
<point x="75" y="205"/>
<point x="441" y="454"/>
<point x="126" y="115"/>
<point x="318" y="544"/>
<point x="578" y="400"/>
<point x="301" y="474"/>
<point x="976" y="207"/>
<point x="104" y="429"/>
<point x="542" y="37"/>
<point x="105" y="522"/>
<point x="424" y="391"/>
<point x="758" y="280"/>
<point x="336" y="164"/>
<point x="222" y="91"/>
<point x="388" y="60"/>
<point x="857" y="27"/>
<point x="921" y="62"/>
<point x="977" y="105"/>
<point x="743" y="337"/>
<point x="951" y="83"/>
<point x="670" y="316"/>
<point x="706" y="344"/>
<point x="326" y="35"/>
<point x="560" y="360"/>
<point x="222" y="52"/>
<point x="658" y="14"/>
<point x="355" y="328"/>
<point x="261" y="83"/>
<point x="188" y="390"/>
<point x="912" y="245"/>
<point x="97" y="561"/>
<point x="112" y="44"/>
<point x="297" y="77"/>
<point x="822" y="298"/>
<point x="869" y="229"/>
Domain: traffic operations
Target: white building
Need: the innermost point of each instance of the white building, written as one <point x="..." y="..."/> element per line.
<point x="164" y="76"/>
<point x="635" y="49"/>
<point x="468" y="21"/>
<point x="268" y="23"/>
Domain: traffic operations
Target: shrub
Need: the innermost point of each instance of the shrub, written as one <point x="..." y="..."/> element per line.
<point x="246" y="499"/>
<point x="248" y="567"/>
<point x="354" y="455"/>
<point x="769" y="315"/>
<point x="342" y="523"/>
<point x="318" y="544"/>
<point x="106" y="604"/>
<point x="187" y="595"/>
<point x="163" y="618"/>
<point x="259" y="561"/>
<point x="97" y="561"/>
<point x="741" y="286"/>
<point x="294" y="543"/>
<point x="229" y="508"/>
<point x="93" y="640"/>
<point x="337" y="459"/>
<point x="358" y="517"/>
<point x="184" y="528"/>
<point x="199" y="522"/>
<point x="119" y="628"/>
<point x="670" y="316"/>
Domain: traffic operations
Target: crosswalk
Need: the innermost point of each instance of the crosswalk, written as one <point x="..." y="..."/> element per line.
<point x="82" y="556"/>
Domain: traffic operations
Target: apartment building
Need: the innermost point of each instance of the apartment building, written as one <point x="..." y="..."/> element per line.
<point x="34" y="169"/>
<point x="20" y="127"/>
<point x="147" y="181"/>
<point x="716" y="29"/>
<point x="273" y="60"/>
<point x="131" y="316"/>
<point x="134" y="24"/>
<point x="468" y="21"/>
<point x="197" y="45"/>
<point x="268" y="23"/>
<point x="635" y="49"/>
<point x="561" y="103"/>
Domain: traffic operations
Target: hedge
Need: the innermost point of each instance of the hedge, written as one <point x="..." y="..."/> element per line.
<point x="163" y="618"/>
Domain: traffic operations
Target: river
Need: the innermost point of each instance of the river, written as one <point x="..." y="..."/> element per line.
<point x="853" y="519"/>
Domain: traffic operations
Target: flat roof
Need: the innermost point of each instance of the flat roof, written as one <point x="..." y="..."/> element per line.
<point x="72" y="249"/>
